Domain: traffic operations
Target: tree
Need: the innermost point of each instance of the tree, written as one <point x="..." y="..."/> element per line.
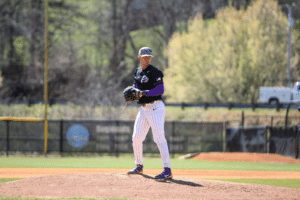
<point x="22" y="48"/>
<point x="231" y="58"/>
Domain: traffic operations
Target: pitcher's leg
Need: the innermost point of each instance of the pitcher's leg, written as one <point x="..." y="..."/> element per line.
<point x="156" y="119"/>
<point x="164" y="153"/>
<point x="141" y="128"/>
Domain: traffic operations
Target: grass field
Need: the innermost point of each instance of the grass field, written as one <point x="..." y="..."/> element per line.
<point x="151" y="163"/>
<point x="4" y="180"/>
<point x="292" y="183"/>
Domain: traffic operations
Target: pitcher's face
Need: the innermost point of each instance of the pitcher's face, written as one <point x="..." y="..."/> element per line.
<point x="144" y="61"/>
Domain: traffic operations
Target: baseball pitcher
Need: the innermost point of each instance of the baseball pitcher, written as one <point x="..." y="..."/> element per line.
<point x="147" y="90"/>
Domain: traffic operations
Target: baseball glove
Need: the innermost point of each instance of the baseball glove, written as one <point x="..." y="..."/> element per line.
<point x="132" y="94"/>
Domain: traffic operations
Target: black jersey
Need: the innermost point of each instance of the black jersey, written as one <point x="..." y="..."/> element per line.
<point x="146" y="80"/>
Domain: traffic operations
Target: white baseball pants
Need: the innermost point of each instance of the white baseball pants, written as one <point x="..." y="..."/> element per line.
<point x="150" y="115"/>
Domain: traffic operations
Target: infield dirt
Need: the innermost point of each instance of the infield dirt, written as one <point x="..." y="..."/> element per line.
<point x="115" y="183"/>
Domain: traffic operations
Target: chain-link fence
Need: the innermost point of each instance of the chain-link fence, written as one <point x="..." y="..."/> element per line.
<point x="112" y="137"/>
<point x="283" y="140"/>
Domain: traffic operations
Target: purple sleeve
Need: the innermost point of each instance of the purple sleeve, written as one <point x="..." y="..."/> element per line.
<point x="159" y="89"/>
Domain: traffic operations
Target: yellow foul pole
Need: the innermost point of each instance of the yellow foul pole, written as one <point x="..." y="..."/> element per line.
<point x="46" y="79"/>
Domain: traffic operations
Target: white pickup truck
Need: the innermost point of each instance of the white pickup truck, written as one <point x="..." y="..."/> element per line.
<point x="276" y="95"/>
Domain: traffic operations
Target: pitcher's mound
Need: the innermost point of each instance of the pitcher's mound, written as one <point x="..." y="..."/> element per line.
<point x="138" y="187"/>
<point x="246" y="157"/>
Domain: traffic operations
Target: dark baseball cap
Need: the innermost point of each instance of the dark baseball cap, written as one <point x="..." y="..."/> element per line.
<point x="145" y="51"/>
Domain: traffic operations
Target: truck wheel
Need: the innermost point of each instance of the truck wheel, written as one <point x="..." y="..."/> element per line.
<point x="274" y="102"/>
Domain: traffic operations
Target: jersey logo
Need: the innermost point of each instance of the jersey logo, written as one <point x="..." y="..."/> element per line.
<point x="144" y="79"/>
<point x="158" y="79"/>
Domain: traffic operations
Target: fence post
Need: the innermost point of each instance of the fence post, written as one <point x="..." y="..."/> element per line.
<point x="172" y="141"/>
<point x="223" y="135"/>
<point x="7" y="137"/>
<point x="271" y="120"/>
<point x="278" y="105"/>
<point x="116" y="144"/>
<point x="268" y="136"/>
<point x="253" y="105"/>
<point x="117" y="140"/>
<point x="287" y="113"/>
<point x="266" y="139"/>
<point x="243" y="118"/>
<point x="61" y="138"/>
<point x="296" y="143"/>
<point x="182" y="106"/>
<point x="206" y="106"/>
<point x="111" y="143"/>
<point x="186" y="143"/>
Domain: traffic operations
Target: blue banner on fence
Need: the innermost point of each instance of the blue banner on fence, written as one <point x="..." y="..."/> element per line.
<point x="77" y="135"/>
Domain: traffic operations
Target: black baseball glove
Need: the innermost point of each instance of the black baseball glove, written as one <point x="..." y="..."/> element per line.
<point x="132" y="94"/>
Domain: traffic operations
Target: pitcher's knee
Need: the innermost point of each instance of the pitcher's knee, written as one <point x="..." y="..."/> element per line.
<point x="137" y="140"/>
<point x="161" y="140"/>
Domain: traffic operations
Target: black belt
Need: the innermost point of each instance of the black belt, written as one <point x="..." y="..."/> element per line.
<point x="144" y="104"/>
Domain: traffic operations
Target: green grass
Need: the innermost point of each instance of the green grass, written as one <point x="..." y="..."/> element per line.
<point x="128" y="162"/>
<point x="291" y="183"/>
<point x="4" y="180"/>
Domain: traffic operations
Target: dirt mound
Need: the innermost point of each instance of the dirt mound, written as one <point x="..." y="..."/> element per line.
<point x="138" y="187"/>
<point x="246" y="157"/>
<point x="199" y="174"/>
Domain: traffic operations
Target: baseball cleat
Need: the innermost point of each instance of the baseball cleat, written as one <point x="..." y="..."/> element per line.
<point x="137" y="170"/>
<point x="166" y="174"/>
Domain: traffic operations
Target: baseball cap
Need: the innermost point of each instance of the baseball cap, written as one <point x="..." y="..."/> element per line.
<point x="145" y="51"/>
